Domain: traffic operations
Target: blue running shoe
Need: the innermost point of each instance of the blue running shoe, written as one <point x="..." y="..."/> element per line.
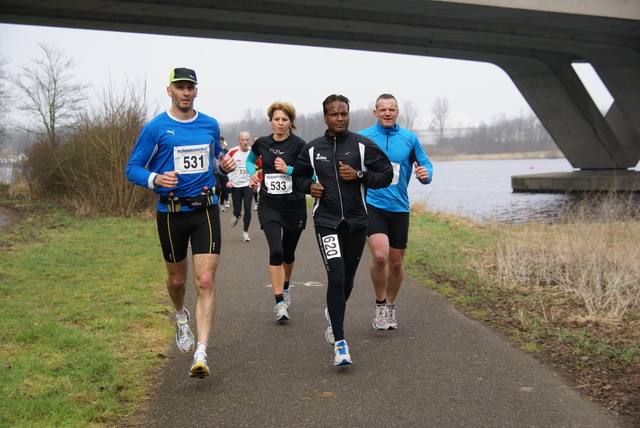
<point x="281" y="312"/>
<point x="342" y="354"/>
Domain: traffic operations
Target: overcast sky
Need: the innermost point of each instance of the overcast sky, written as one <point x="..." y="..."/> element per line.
<point x="235" y="76"/>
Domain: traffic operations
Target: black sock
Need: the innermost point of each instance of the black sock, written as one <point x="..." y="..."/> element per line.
<point x="286" y="285"/>
<point x="381" y="302"/>
<point x="279" y="298"/>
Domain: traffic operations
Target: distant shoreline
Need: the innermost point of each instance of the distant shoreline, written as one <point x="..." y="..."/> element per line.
<point x="551" y="154"/>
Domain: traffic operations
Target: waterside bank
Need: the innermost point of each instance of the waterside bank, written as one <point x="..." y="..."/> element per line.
<point x="550" y="154"/>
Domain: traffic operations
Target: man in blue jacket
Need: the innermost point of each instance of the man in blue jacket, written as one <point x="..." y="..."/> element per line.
<point x="388" y="207"/>
<point x="176" y="155"/>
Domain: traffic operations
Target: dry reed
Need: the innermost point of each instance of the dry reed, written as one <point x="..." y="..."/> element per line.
<point x="592" y="253"/>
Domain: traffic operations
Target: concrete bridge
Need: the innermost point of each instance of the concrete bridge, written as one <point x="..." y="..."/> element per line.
<point x="534" y="41"/>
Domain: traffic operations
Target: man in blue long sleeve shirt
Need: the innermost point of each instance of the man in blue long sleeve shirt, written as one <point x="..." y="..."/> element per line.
<point x="388" y="207"/>
<point x="176" y="155"/>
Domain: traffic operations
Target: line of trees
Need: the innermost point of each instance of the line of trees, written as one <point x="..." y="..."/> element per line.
<point x="517" y="134"/>
<point x="310" y="126"/>
<point x="523" y="133"/>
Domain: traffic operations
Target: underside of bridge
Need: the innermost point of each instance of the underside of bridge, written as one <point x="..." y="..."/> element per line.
<point x="534" y="41"/>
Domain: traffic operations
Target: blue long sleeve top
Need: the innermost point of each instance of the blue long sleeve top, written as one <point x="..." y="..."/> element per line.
<point x="402" y="147"/>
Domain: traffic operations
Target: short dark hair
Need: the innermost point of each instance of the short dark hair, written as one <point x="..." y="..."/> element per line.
<point x="386" y="97"/>
<point x="333" y="97"/>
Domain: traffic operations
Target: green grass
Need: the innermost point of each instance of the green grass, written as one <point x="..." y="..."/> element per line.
<point x="82" y="314"/>
<point x="84" y="311"/>
<point x="440" y="252"/>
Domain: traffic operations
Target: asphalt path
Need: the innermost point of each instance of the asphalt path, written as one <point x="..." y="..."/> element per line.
<point x="439" y="369"/>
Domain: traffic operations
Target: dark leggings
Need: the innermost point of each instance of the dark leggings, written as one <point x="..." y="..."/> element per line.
<point x="221" y="188"/>
<point x="341" y="251"/>
<point x="282" y="243"/>
<point x="242" y="196"/>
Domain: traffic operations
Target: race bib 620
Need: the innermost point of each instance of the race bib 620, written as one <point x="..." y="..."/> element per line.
<point x="331" y="246"/>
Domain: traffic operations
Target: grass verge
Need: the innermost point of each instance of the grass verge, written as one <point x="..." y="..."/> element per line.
<point x="600" y="355"/>
<point x="82" y="313"/>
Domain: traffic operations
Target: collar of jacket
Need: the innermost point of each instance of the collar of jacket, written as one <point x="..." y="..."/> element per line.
<point x="339" y="138"/>
<point x="388" y="131"/>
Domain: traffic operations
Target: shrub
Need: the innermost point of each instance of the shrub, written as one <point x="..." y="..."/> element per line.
<point x="86" y="171"/>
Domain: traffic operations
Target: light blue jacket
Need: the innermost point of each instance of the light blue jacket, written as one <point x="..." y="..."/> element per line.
<point x="402" y="147"/>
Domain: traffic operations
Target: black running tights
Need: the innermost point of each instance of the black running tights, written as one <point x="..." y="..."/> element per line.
<point x="341" y="251"/>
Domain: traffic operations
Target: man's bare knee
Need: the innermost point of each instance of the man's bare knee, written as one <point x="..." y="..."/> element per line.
<point x="205" y="283"/>
<point x="395" y="266"/>
<point x="379" y="259"/>
<point x="176" y="281"/>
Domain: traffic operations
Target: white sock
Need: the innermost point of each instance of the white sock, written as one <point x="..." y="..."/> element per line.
<point x="202" y="346"/>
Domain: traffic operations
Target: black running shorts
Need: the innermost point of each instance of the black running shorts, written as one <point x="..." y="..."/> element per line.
<point x="394" y="225"/>
<point x="201" y="227"/>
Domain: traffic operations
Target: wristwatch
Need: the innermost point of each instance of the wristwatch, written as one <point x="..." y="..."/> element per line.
<point x="360" y="174"/>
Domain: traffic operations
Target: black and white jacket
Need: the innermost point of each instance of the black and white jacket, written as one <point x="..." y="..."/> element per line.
<point x="342" y="200"/>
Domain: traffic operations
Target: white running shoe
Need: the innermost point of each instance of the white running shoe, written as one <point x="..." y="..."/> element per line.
<point x="245" y="237"/>
<point x="281" y="312"/>
<point x="199" y="368"/>
<point x="184" y="336"/>
<point x="380" y="321"/>
<point x="328" y="333"/>
<point x="287" y="297"/>
<point x="342" y="354"/>
<point x="234" y="221"/>
<point x="391" y="317"/>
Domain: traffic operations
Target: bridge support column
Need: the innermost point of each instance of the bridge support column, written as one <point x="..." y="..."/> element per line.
<point x="565" y="108"/>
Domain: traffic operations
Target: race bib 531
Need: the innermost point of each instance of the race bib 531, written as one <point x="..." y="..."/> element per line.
<point x="191" y="159"/>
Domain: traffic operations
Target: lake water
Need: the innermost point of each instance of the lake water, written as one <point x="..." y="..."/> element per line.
<point x="482" y="189"/>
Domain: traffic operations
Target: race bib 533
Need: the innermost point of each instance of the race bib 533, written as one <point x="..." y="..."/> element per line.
<point x="278" y="184"/>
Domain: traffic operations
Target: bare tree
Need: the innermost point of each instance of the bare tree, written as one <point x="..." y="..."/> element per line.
<point x="360" y="119"/>
<point x="408" y="115"/>
<point x="53" y="99"/>
<point x="440" y="111"/>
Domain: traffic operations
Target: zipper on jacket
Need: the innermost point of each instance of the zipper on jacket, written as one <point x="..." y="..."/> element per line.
<point x="335" y="168"/>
